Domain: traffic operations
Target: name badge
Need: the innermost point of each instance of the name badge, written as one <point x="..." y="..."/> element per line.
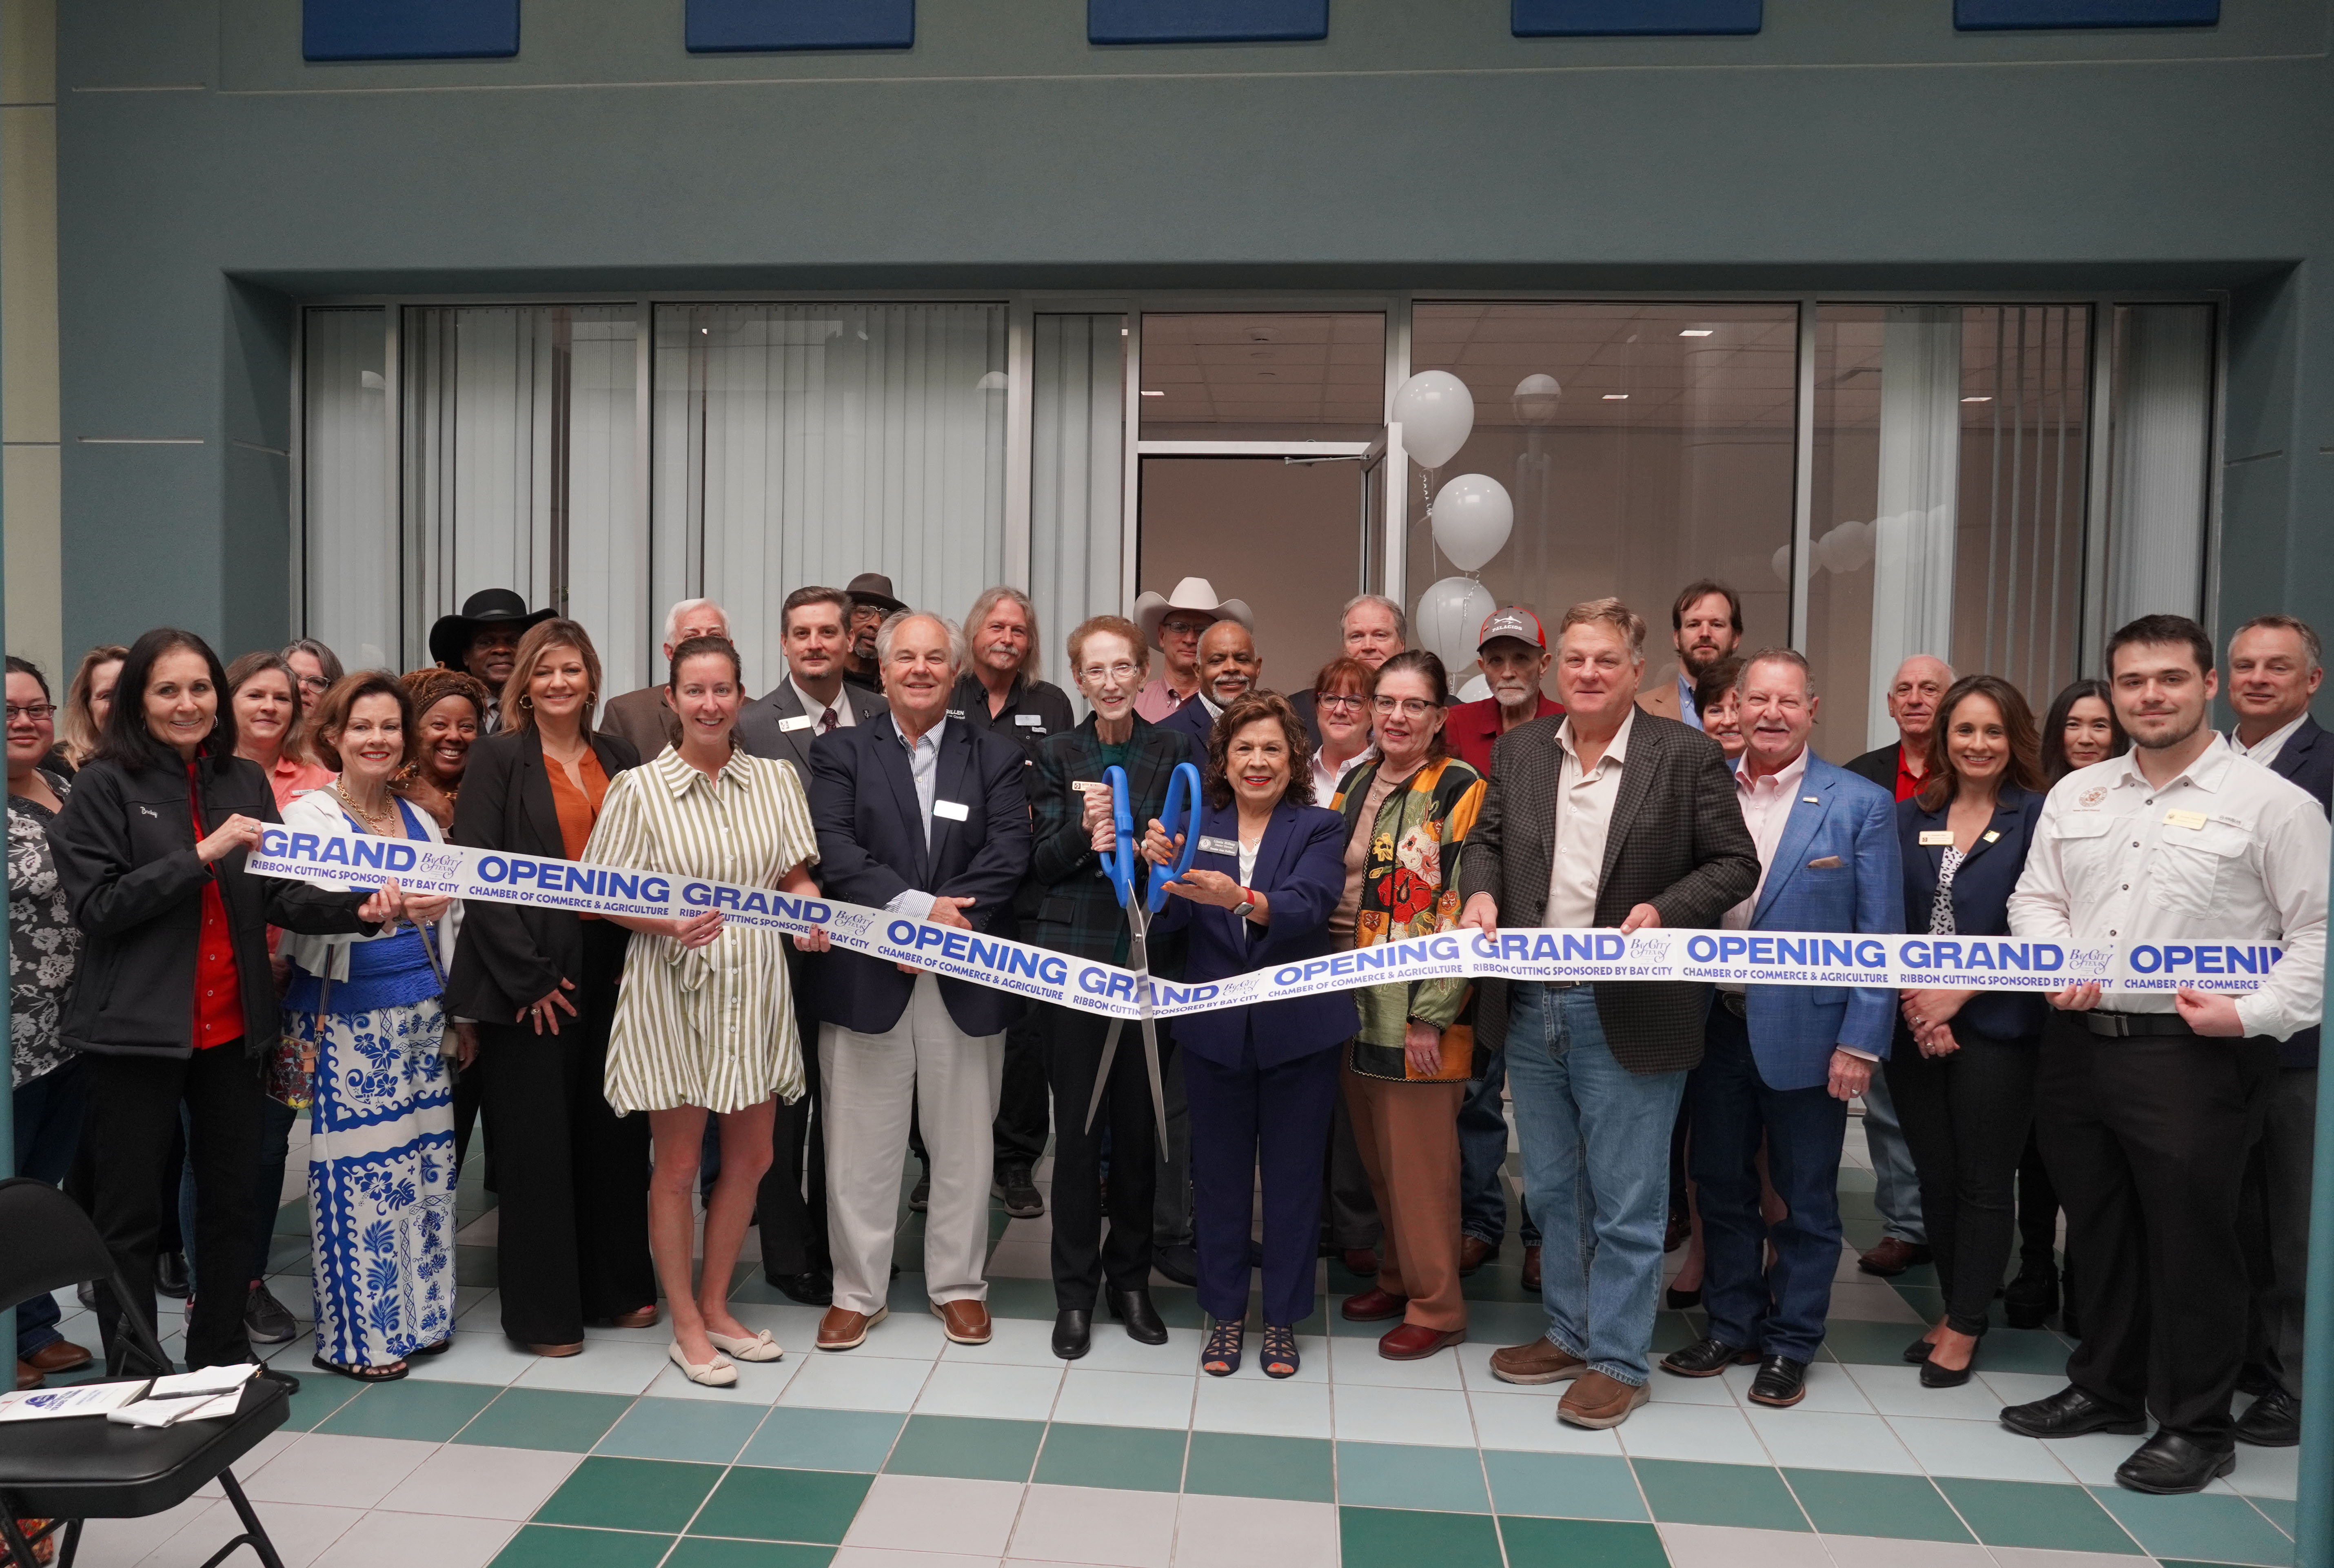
<point x="1221" y="847"/>
<point x="1812" y="800"/>
<point x="1030" y="720"/>
<point x="799" y="721"/>
<point x="955" y="811"/>
<point x="1992" y="835"/>
<point x="2192" y="821"/>
<point x="1086" y="787"/>
<point x="1942" y="837"/>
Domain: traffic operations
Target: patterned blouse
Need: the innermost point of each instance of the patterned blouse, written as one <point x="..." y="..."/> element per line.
<point x="43" y="943"/>
<point x="714" y="1026"/>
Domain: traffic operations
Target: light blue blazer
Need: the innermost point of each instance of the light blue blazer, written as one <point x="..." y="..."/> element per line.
<point x="1836" y="868"/>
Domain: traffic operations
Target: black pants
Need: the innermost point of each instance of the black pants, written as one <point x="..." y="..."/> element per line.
<point x="2147" y="1138"/>
<point x="2038" y="1212"/>
<point x="1965" y="1117"/>
<point x="1084" y="1259"/>
<point x="573" y="1237"/>
<point x="1020" y="1125"/>
<point x="2276" y="1220"/>
<point x="132" y="1112"/>
<point x="792" y="1201"/>
<point x="470" y="1092"/>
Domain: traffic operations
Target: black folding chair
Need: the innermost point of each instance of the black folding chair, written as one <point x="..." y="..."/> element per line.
<point x="88" y="1468"/>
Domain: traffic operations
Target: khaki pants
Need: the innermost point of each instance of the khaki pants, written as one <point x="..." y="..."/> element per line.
<point x="1409" y="1137"/>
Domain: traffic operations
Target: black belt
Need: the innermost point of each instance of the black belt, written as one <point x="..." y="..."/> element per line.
<point x="2123" y="1026"/>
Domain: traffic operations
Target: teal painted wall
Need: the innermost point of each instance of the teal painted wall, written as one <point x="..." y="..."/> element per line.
<point x="209" y="178"/>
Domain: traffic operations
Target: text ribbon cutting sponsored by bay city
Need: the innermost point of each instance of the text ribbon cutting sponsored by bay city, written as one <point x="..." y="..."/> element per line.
<point x="1531" y="953"/>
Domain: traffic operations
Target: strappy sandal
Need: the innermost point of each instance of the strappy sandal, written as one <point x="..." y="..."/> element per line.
<point x="360" y="1374"/>
<point x="1221" y="1356"/>
<point x="1279" y="1358"/>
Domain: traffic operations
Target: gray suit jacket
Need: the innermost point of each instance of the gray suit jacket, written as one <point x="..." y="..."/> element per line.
<point x="1677" y="842"/>
<point x="642" y="718"/>
<point x="762" y="731"/>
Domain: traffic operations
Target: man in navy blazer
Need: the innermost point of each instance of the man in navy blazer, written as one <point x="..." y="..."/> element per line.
<point x="927" y="818"/>
<point x="1784" y="1061"/>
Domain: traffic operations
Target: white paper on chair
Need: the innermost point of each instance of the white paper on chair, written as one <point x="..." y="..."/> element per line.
<point x="196" y="1396"/>
<point x="80" y="1400"/>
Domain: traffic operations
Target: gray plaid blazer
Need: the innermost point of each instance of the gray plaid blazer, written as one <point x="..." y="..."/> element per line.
<point x="1677" y="842"/>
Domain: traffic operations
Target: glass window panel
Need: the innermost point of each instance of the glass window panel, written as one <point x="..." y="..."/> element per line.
<point x="805" y="444"/>
<point x="2158" y="469"/>
<point x="1257" y="376"/>
<point x="349" y="545"/>
<point x="1661" y="453"/>
<point x="1077" y="478"/>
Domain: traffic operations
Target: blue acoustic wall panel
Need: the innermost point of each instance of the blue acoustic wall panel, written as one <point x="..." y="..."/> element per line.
<point x="717" y="26"/>
<point x="409" y="29"/>
<point x="1990" y="16"/>
<point x="1205" y="20"/>
<point x="1591" y="18"/>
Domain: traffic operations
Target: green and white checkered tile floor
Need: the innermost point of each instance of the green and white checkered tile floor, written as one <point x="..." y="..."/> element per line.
<point x="912" y="1453"/>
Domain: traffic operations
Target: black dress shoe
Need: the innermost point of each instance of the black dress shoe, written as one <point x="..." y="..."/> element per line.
<point x="170" y="1276"/>
<point x="1781" y="1382"/>
<point x="812" y="1287"/>
<point x="2273" y="1422"/>
<point x="2169" y="1463"/>
<point x="1135" y="1310"/>
<point x="1706" y="1357"/>
<point x="1678" y="1300"/>
<point x="1073" y="1332"/>
<point x="1934" y="1376"/>
<point x="1180" y="1263"/>
<point x="1916" y="1352"/>
<point x="2069" y="1413"/>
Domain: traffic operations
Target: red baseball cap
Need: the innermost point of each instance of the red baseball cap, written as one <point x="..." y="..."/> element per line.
<point x="1514" y="621"/>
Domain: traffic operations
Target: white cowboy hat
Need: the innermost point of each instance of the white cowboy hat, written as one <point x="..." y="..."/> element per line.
<point x="1191" y="593"/>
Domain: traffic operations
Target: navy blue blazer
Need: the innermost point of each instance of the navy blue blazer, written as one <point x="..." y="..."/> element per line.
<point x="871" y="850"/>
<point x="2308" y="759"/>
<point x="1982" y="888"/>
<point x="1194" y="720"/>
<point x="1300" y="867"/>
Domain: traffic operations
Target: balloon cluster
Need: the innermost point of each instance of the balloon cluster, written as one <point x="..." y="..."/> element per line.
<point x="1471" y="514"/>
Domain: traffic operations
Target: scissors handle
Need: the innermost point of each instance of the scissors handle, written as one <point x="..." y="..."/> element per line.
<point x="1120" y="867"/>
<point x="1181" y="815"/>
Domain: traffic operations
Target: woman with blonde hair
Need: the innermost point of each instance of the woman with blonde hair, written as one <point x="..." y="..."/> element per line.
<point x="88" y="700"/>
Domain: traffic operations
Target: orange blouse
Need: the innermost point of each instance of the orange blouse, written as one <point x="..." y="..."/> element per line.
<point x="578" y="809"/>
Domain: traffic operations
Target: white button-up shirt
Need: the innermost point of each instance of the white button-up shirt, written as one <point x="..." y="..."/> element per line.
<point x="1583" y="817"/>
<point x="924" y="767"/>
<point x="844" y="717"/>
<point x="2226" y="850"/>
<point x="1325" y="777"/>
<point x="2265" y="752"/>
<point x="1767" y="803"/>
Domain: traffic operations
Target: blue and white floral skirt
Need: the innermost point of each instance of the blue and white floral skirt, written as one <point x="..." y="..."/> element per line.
<point x="381" y="1182"/>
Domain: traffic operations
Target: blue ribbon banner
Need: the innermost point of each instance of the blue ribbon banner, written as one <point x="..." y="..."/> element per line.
<point x="1534" y="953"/>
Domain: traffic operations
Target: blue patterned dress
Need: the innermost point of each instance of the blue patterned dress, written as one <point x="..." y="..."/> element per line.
<point x="381" y="1150"/>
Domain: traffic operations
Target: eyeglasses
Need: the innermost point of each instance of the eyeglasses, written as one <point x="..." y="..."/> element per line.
<point x="314" y="684"/>
<point x="1123" y="671"/>
<point x="34" y="711"/>
<point x="1343" y="704"/>
<point x="1408" y="706"/>
<point x="1185" y="628"/>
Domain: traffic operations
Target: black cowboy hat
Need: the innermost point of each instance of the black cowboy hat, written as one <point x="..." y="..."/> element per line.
<point x="452" y="635"/>
<point x="875" y="588"/>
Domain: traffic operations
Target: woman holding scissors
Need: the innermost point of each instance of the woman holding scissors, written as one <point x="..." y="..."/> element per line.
<point x="1078" y="913"/>
<point x="363" y="1043"/>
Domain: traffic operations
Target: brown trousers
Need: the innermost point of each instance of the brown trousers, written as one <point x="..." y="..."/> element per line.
<point x="1408" y="1138"/>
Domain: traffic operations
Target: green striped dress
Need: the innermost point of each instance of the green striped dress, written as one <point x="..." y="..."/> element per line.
<point x="715" y="1026"/>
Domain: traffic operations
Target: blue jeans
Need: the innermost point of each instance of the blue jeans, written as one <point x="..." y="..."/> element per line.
<point x="1896" y="1185"/>
<point x="1781" y="1312"/>
<point x="47" y="1113"/>
<point x="1482" y="1151"/>
<point x="1596" y="1172"/>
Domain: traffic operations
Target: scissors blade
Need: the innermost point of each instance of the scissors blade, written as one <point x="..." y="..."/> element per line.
<point x="1138" y="950"/>
<point x="1110" y="1041"/>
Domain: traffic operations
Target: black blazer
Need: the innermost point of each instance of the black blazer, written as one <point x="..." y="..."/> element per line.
<point x="1879" y="766"/>
<point x="872" y="849"/>
<point x="1676" y="842"/>
<point x="1078" y="909"/>
<point x="2308" y="759"/>
<point x="125" y="853"/>
<point x="513" y="955"/>
<point x="1982" y="890"/>
<point x="762" y="729"/>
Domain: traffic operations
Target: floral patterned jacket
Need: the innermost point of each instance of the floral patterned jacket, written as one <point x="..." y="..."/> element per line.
<point x="1409" y="888"/>
<point x="43" y="943"/>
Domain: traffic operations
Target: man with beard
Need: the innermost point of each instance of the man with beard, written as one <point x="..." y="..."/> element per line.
<point x="1512" y="653"/>
<point x="483" y="641"/>
<point x="1229" y="669"/>
<point x="2147" y="1103"/>
<point x="871" y="600"/>
<point x="1705" y="626"/>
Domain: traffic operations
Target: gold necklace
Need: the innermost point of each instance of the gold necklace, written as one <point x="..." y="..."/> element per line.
<point x="379" y="824"/>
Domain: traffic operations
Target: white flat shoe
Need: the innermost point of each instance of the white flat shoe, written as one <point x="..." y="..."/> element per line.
<point x="717" y="1373"/>
<point x="760" y="1348"/>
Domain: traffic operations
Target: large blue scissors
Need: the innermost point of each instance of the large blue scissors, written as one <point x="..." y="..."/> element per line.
<point x="1181" y="815"/>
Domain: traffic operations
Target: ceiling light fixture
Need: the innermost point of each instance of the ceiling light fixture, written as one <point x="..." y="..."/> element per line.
<point x="1616" y="396"/>
<point x="1696" y="332"/>
<point x="1149" y="393"/>
<point x="1977" y="400"/>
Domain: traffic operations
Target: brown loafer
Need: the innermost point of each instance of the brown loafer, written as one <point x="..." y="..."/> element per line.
<point x="1416" y="1341"/>
<point x="1372" y="1305"/>
<point x="1474" y="1252"/>
<point x="841" y="1329"/>
<point x="1893" y="1257"/>
<point x="1531" y="1281"/>
<point x="964" y="1322"/>
<point x="1540" y="1362"/>
<point x="645" y="1317"/>
<point x="1596" y="1401"/>
<point x="558" y="1352"/>
<point x="57" y="1356"/>
<point x="28" y="1376"/>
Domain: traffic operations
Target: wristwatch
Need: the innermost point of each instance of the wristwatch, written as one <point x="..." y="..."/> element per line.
<point x="1246" y="906"/>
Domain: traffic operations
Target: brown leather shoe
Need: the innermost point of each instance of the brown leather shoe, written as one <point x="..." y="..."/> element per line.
<point x="1893" y="1257"/>
<point x="644" y="1317"/>
<point x="1372" y="1305"/>
<point x="1540" y="1362"/>
<point x="841" y="1329"/>
<point x="558" y="1352"/>
<point x="57" y="1356"/>
<point x="1474" y="1252"/>
<point x="1416" y="1342"/>
<point x="1596" y="1401"/>
<point x="1359" y="1260"/>
<point x="1531" y="1268"/>
<point x="28" y="1376"/>
<point x="965" y="1322"/>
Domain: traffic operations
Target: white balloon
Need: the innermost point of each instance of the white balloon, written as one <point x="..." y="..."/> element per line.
<point x="1437" y="412"/>
<point x="1475" y="690"/>
<point x="1473" y="519"/>
<point x="1450" y="617"/>
<point x="1535" y="399"/>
